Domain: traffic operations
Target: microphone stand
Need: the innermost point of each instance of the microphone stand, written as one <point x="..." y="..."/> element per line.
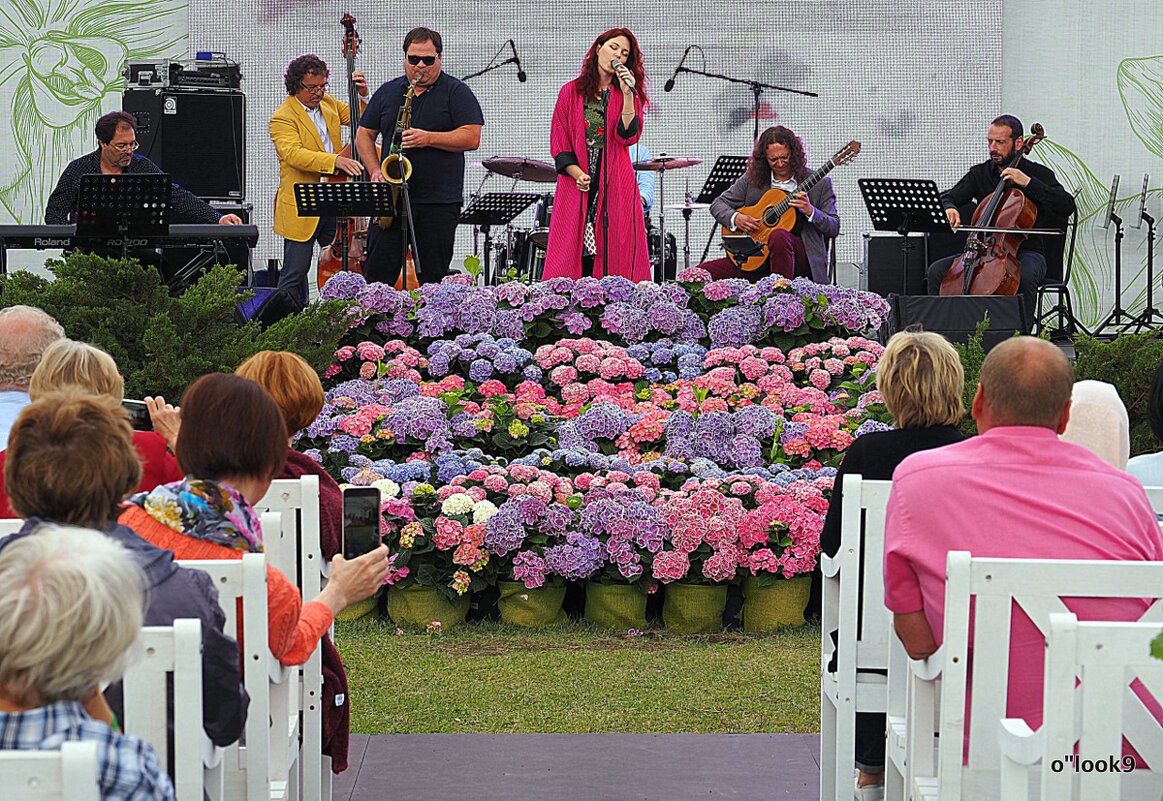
<point x="606" y="189"/>
<point x="756" y="87"/>
<point x="1150" y="314"/>
<point x="490" y="68"/>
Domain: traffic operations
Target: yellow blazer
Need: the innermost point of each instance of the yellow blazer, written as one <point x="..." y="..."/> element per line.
<point x="302" y="159"/>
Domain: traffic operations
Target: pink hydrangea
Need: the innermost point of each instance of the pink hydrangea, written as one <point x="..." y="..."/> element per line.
<point x="670" y="566"/>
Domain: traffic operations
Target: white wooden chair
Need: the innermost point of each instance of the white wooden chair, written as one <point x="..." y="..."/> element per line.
<point x="10" y="525"/>
<point x="926" y="746"/>
<point x="852" y="605"/>
<point x="69" y="774"/>
<point x="264" y="765"/>
<point x="173" y="650"/>
<point x="298" y="500"/>
<point x="1104" y="657"/>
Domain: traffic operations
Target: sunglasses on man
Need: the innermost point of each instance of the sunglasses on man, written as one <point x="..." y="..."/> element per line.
<point x="428" y="61"/>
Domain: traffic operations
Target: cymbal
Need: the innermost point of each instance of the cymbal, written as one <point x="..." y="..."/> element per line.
<point x="665" y="163"/>
<point x="523" y="168"/>
<point x="690" y="205"/>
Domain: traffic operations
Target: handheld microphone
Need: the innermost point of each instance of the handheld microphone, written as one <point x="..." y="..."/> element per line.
<point x="670" y="83"/>
<point x="521" y="76"/>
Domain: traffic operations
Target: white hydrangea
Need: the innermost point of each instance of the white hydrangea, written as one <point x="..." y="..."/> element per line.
<point x="482" y="511"/>
<point x="387" y="487"/>
<point x="458" y="504"/>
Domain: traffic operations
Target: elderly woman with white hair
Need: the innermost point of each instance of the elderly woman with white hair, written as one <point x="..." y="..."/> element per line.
<point x="1099" y="422"/>
<point x="70" y="609"/>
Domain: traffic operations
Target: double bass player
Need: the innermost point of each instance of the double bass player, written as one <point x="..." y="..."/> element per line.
<point x="1036" y="181"/>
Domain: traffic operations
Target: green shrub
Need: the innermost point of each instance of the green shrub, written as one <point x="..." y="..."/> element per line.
<point x="162" y="343"/>
<point x="1128" y="363"/>
<point x="972" y="354"/>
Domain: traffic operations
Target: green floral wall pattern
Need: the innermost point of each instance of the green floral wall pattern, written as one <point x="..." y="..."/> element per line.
<point x="60" y="68"/>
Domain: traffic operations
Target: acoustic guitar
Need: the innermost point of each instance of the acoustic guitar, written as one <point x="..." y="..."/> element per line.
<point x="774" y="211"/>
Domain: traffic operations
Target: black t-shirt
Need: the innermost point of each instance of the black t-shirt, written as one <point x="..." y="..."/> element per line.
<point x="437" y="175"/>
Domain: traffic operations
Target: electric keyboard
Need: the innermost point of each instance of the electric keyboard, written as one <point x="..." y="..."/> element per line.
<point x="51" y="237"/>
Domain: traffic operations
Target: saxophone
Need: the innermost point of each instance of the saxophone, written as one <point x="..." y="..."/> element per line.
<point x="396" y="168"/>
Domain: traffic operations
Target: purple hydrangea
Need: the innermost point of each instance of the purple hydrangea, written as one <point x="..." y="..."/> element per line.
<point x="579" y="557"/>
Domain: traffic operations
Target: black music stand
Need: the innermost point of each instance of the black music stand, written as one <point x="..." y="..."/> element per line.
<point x="120" y="208"/>
<point x="495" y="208"/>
<point x="904" y="205"/>
<point x="726" y="171"/>
<point x="343" y="201"/>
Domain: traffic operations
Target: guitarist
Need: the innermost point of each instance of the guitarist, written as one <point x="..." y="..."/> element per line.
<point x="779" y="161"/>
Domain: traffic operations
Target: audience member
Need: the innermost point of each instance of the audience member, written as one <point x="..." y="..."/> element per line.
<point x="1099" y="422"/>
<point x="70" y="608"/>
<point x="25" y="332"/>
<point x="296" y="388"/>
<point x="70" y="364"/>
<point x="921" y="380"/>
<point x="1014" y="492"/>
<point x="1148" y="467"/>
<point x="71" y="460"/>
<point x="208" y="515"/>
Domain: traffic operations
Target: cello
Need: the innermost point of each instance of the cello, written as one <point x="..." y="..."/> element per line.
<point x="346" y="251"/>
<point x="989" y="264"/>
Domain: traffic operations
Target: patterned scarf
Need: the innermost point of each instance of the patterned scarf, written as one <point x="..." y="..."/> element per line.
<point x="205" y="510"/>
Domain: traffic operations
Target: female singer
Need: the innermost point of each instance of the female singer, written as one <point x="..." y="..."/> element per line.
<point x="595" y="175"/>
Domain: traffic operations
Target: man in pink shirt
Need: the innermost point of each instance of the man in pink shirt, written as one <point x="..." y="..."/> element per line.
<point x="1015" y="491"/>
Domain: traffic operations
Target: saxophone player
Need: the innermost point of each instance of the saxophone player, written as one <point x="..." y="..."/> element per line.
<point x="446" y="122"/>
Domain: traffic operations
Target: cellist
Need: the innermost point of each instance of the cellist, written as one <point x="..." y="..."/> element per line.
<point x="1035" y="181"/>
<point x="306" y="132"/>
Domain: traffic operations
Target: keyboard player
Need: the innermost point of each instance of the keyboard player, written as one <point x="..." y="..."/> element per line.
<point x="116" y="143"/>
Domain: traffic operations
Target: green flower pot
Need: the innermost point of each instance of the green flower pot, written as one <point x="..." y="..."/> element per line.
<point x="781" y="604"/>
<point x="615" y="606"/>
<point x="533" y="608"/>
<point x="420" y="606"/>
<point x="359" y="609"/>
<point x="694" y="608"/>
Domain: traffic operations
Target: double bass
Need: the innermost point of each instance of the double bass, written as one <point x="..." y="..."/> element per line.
<point x="989" y="265"/>
<point x="350" y="232"/>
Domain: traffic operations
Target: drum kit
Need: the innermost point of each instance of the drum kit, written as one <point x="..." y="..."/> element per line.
<point x="520" y="252"/>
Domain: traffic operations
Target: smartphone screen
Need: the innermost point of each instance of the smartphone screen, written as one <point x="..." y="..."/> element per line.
<point x="361" y="521"/>
<point x="138" y="414"/>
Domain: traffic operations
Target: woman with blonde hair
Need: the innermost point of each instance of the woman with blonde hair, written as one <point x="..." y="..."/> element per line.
<point x="68" y="364"/>
<point x="921" y="380"/>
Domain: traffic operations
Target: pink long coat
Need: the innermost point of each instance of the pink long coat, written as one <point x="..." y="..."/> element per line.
<point x="628" y="254"/>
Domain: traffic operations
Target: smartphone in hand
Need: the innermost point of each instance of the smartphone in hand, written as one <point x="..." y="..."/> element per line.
<point x="361" y="521"/>
<point x="138" y="414"/>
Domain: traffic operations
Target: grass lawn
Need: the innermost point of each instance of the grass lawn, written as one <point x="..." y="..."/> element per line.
<point x="491" y="677"/>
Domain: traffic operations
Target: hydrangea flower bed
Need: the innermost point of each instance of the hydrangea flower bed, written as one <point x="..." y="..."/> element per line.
<point x="599" y="429"/>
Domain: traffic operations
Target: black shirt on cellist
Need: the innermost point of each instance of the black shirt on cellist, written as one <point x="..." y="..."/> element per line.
<point x="1054" y="203"/>
<point x="448" y="104"/>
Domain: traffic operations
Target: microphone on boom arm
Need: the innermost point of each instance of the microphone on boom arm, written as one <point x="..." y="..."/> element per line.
<point x="670" y="83"/>
<point x="521" y="76"/>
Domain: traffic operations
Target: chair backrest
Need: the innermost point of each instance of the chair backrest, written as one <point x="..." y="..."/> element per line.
<point x="298" y="500"/>
<point x="242" y="586"/>
<point x="1105" y="658"/>
<point x="10" y="525"/>
<point x="995" y="586"/>
<point x="1059" y="250"/>
<point x="853" y="585"/>
<point x="69" y="774"/>
<point x="1155" y="497"/>
<point x="171" y="650"/>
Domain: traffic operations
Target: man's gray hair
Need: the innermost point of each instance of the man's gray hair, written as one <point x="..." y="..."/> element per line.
<point x="71" y="603"/>
<point x="25" y="331"/>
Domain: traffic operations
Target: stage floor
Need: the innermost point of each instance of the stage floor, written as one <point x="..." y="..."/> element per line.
<point x="407" y="767"/>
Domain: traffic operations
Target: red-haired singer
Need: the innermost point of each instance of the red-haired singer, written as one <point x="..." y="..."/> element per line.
<point x="596" y="182"/>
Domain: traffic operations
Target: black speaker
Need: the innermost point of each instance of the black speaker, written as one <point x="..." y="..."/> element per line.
<point x="956" y="317"/>
<point x="891" y="268"/>
<point x="198" y="136"/>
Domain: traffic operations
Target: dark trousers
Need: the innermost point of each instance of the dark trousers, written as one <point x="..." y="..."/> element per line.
<point x="1033" y="272"/>
<point x="785" y="256"/>
<point x="870" y="741"/>
<point x="435" y="233"/>
<point x="297" y="258"/>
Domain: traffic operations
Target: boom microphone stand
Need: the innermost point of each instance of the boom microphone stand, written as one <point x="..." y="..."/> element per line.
<point x="756" y="87"/>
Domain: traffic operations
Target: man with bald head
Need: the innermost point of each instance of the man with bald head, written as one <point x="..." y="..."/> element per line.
<point x="1014" y="492"/>
<point x="25" y="332"/>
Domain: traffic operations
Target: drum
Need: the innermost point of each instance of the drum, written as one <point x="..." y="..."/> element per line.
<point x="510" y="255"/>
<point x="671" y="251"/>
<point x="539" y="236"/>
